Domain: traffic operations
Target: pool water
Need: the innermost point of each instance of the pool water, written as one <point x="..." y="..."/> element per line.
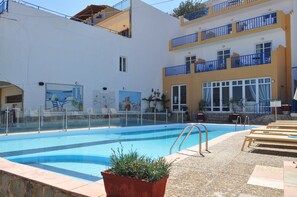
<point x="83" y="154"/>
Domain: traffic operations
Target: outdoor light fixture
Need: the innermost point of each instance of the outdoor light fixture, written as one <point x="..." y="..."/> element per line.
<point x="41" y="83"/>
<point x="104" y="88"/>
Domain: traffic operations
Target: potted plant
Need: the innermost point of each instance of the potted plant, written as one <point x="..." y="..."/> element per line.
<point x="235" y="104"/>
<point x="286" y="108"/>
<point x="132" y="174"/>
<point x="200" y="114"/>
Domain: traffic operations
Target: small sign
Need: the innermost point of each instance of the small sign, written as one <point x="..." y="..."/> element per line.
<point x="276" y="103"/>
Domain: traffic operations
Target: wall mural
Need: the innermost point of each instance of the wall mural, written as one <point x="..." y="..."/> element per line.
<point x="60" y="97"/>
<point x="130" y="101"/>
<point x="103" y="99"/>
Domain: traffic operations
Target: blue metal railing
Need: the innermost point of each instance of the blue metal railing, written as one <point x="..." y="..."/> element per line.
<point x="177" y="70"/>
<point x="251" y="60"/>
<point x="226" y="5"/>
<point x="191" y="38"/>
<point x="216" y="32"/>
<point x="3" y="6"/>
<point x="257" y="22"/>
<point x="197" y="14"/>
<point x="210" y="66"/>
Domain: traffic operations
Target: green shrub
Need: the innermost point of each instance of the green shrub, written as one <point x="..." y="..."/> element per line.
<point x="138" y="166"/>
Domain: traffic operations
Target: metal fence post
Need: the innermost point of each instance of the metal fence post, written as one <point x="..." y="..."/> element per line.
<point x="166" y="118"/>
<point x="141" y="118"/>
<point x="66" y="120"/>
<point x="89" y="120"/>
<point x="126" y="117"/>
<point x="109" y="117"/>
<point x="182" y="116"/>
<point x="7" y="113"/>
<point x="39" y="119"/>
<point x="177" y="116"/>
<point x="155" y="116"/>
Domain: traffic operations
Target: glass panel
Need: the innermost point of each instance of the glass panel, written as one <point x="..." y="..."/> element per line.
<point x="264" y="92"/>
<point x="183" y="94"/>
<point x="175" y="95"/>
<point x="216" y="97"/>
<point x="250" y="93"/>
<point x="207" y="99"/>
<point x="225" y="97"/>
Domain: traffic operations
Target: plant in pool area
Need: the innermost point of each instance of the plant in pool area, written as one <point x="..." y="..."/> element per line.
<point x="132" y="174"/>
<point x="138" y="166"/>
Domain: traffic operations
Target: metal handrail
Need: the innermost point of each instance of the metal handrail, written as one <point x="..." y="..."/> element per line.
<point x="246" y="120"/>
<point x="238" y="118"/>
<point x="192" y="126"/>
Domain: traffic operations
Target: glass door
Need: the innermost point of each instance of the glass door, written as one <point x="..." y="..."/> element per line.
<point x="179" y="97"/>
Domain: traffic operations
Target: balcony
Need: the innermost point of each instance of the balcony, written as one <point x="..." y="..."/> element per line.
<point x="253" y="25"/>
<point x="227" y="5"/>
<point x="250" y="60"/>
<point x="210" y="66"/>
<point x="257" y="22"/>
<point x="177" y="70"/>
<point x="218" y="9"/>
<point x="184" y="40"/>
<point x="216" y="32"/>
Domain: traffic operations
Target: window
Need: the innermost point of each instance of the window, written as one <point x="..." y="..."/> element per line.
<point x="264" y="52"/>
<point x="14" y="99"/>
<point x="123" y="64"/>
<point x="246" y="92"/>
<point x="179" y="97"/>
<point x="222" y="56"/>
<point x="190" y="60"/>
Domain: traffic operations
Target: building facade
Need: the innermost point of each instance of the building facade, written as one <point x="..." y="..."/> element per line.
<point x="233" y="56"/>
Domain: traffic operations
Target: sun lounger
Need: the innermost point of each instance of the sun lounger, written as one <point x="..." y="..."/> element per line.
<point x="274" y="131"/>
<point x="269" y="139"/>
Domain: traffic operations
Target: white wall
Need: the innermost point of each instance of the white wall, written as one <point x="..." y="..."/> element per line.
<point x="38" y="46"/>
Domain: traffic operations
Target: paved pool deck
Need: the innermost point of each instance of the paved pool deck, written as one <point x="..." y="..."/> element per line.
<point x="227" y="171"/>
<point x="224" y="172"/>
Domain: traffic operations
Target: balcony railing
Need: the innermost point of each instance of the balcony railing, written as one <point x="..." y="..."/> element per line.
<point x="177" y="70"/>
<point x="210" y="66"/>
<point x="216" y="32"/>
<point x="3" y="6"/>
<point x="251" y="60"/>
<point x="257" y="22"/>
<point x="226" y="5"/>
<point x="191" y="38"/>
<point x="197" y="14"/>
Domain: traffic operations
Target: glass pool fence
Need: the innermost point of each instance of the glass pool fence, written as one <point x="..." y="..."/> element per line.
<point x="38" y="120"/>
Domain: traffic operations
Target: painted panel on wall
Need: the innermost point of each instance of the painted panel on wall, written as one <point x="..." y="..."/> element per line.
<point x="60" y="97"/>
<point x="129" y="100"/>
<point x="103" y="99"/>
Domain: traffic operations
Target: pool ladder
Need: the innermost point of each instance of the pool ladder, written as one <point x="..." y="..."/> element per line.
<point x="192" y="126"/>
<point x="246" y="121"/>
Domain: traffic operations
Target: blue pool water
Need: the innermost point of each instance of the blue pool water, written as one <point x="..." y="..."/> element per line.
<point x="83" y="154"/>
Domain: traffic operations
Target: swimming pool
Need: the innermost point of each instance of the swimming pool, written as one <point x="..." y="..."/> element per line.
<point x="83" y="154"/>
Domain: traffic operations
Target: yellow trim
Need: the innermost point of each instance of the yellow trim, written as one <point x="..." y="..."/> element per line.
<point x="211" y="14"/>
<point x="281" y="23"/>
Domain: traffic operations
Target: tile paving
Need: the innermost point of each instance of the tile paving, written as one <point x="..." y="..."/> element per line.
<point x="225" y="172"/>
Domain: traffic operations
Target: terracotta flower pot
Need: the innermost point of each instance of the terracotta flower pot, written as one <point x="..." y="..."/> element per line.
<point x="122" y="186"/>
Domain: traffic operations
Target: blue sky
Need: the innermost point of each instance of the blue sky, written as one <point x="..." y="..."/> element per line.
<point x="71" y="7"/>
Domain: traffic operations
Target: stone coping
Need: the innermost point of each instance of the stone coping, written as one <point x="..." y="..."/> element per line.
<point x="94" y="189"/>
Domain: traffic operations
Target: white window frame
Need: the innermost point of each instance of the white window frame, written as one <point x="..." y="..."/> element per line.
<point x="179" y="96"/>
